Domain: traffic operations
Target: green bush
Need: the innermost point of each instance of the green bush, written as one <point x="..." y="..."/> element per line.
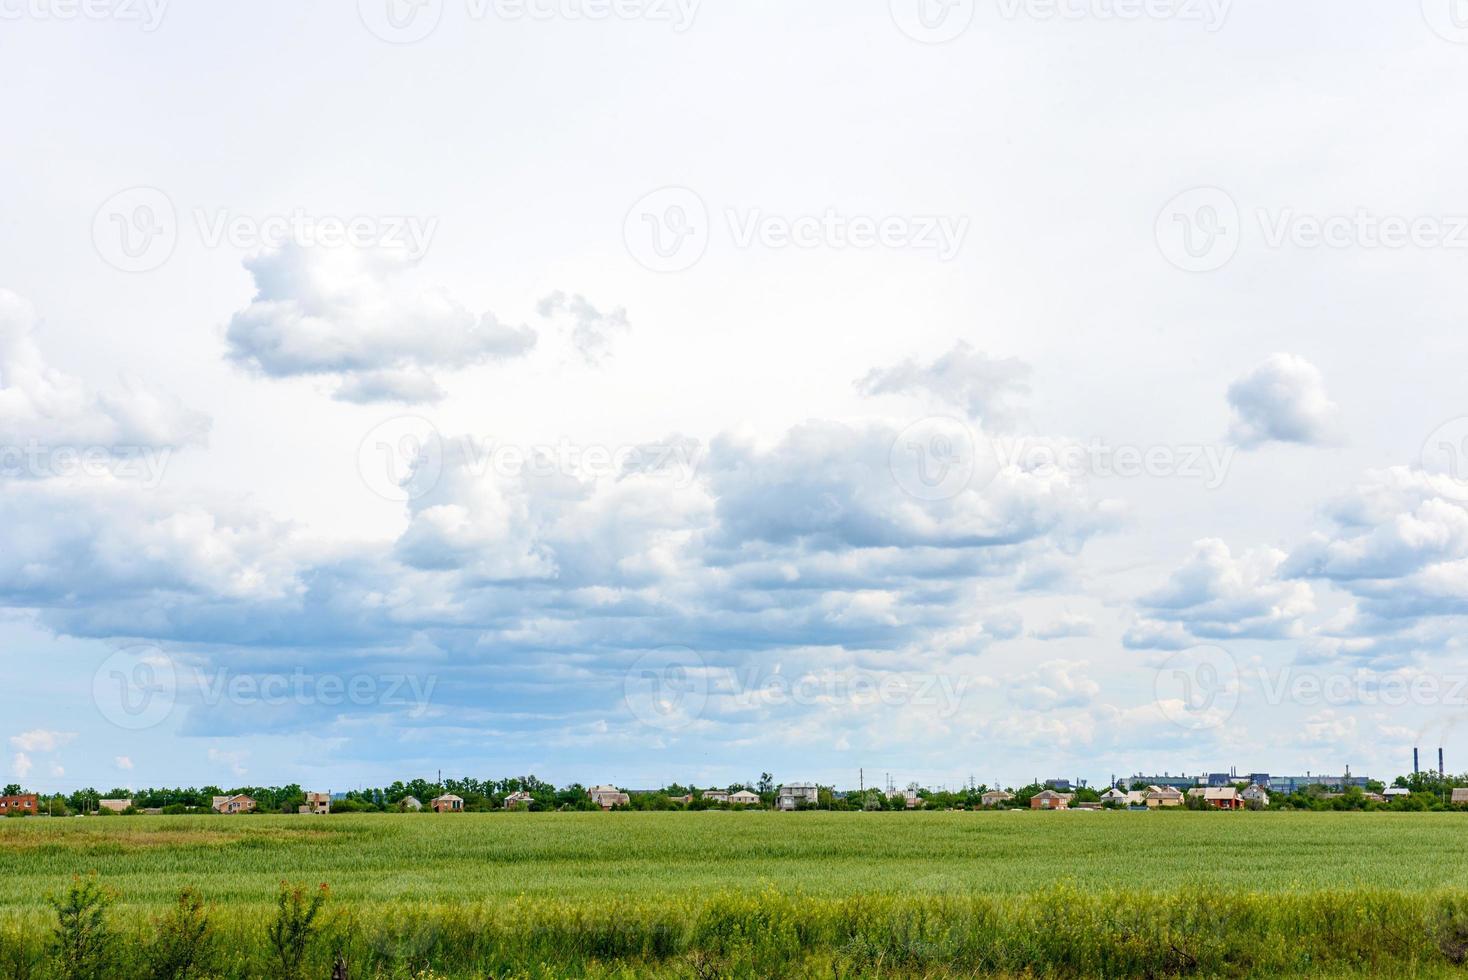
<point x="183" y="940"/>
<point x="80" y="939"/>
<point x="294" y="927"/>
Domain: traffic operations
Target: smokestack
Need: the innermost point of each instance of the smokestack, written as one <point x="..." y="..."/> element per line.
<point x="1415" y="770"/>
<point x="1440" y="770"/>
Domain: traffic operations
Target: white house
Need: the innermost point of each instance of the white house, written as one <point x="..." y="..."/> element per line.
<point x="793" y="795"/>
<point x="743" y="798"/>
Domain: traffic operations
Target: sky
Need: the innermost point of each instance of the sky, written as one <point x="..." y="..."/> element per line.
<point x="640" y="391"/>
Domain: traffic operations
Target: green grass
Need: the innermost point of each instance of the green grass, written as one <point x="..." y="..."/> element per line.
<point x="753" y="893"/>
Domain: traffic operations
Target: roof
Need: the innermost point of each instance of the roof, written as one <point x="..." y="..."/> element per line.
<point x="447" y="798"/>
<point x="1220" y="793"/>
<point x="1460" y="795"/>
<point x="1398" y="791"/>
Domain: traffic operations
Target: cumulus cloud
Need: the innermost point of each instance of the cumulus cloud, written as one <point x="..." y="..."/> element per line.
<point x="22" y="765"/>
<point x="592" y="331"/>
<point x="352" y="316"/>
<point x="1216" y="595"/>
<point x="964" y="378"/>
<point x="1282" y="400"/>
<point x="1066" y="626"/>
<point x="1054" y="684"/>
<point x="42" y="740"/>
<point x="123" y="762"/>
<point x="42" y="406"/>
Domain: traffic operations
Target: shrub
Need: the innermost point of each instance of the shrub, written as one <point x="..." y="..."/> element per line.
<point x="294" y="927"/>
<point x="81" y="939"/>
<point x="184" y="939"/>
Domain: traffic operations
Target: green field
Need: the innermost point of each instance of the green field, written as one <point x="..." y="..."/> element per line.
<point x="719" y="893"/>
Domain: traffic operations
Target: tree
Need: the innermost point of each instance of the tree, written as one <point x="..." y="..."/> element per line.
<point x="12" y="789"/>
<point x="766" y="784"/>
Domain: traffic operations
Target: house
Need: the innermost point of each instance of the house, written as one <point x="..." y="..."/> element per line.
<point x="607" y="797"/>
<point x="1397" y="792"/>
<point x="116" y="806"/>
<point x="744" y="798"/>
<point x="410" y="803"/>
<point x="1460" y="796"/>
<point x="319" y="803"/>
<point x="1114" y="795"/>
<point x="716" y="795"/>
<point x="239" y="803"/>
<point x="795" y="795"/>
<point x="518" y="799"/>
<point x="1222" y="797"/>
<point x="447" y="803"/>
<point x="1255" y="795"/>
<point x="1050" y="800"/>
<point x="28" y="803"/>
<point x="1158" y="796"/>
<point x="909" y="798"/>
<point x="995" y="797"/>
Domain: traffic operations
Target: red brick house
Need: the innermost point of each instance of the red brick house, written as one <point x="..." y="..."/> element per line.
<point x="239" y="803"/>
<point x="28" y="803"/>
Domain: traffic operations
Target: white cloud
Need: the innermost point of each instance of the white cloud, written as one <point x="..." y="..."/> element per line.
<point x="41" y="740"/>
<point x="964" y="378"/>
<point x="123" y="762"/>
<point x="22" y="764"/>
<point x="352" y="316"/>
<point x="592" y="331"/>
<point x="1215" y="595"/>
<point x="41" y="405"/>
<point x="1065" y="626"/>
<point x="1282" y="400"/>
<point x="1054" y="684"/>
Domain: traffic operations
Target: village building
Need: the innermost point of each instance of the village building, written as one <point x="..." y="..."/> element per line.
<point x="239" y="803"/>
<point x="995" y="797"/>
<point x="116" y="806"/>
<point x="792" y="796"/>
<point x="28" y="803"/>
<point x="518" y="799"/>
<point x="607" y="797"/>
<point x="317" y="803"/>
<point x="447" y="803"/>
<point x="744" y="797"/>
<point x="1050" y="800"/>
